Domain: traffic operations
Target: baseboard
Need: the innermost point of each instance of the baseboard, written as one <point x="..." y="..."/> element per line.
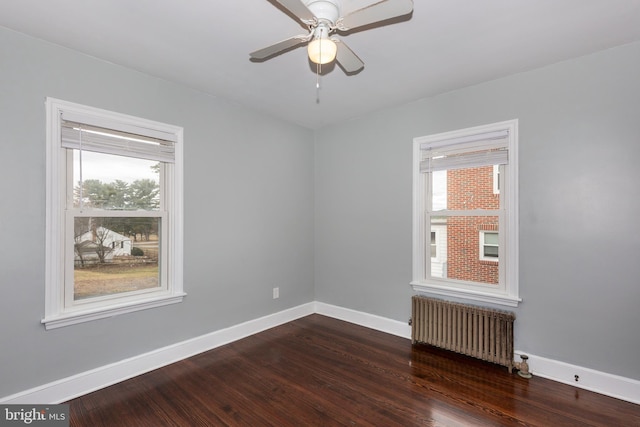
<point x="77" y="385"/>
<point x="588" y="379"/>
<point x="371" y="321"/>
<point x="104" y="376"/>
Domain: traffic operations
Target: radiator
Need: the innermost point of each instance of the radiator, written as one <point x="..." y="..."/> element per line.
<point x="478" y="332"/>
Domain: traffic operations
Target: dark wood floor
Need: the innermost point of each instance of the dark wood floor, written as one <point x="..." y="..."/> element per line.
<point x="318" y="371"/>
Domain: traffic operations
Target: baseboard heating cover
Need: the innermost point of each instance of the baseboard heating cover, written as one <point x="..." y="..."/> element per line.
<point x="479" y="332"/>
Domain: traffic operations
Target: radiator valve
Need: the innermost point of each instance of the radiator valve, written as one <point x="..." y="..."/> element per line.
<point x="523" y="367"/>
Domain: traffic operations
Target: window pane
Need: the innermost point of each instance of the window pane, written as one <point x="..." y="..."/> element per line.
<point x="115" y="255"/>
<point x="464" y="189"/>
<point x="115" y="182"/>
<point x="491" y="251"/>
<point x="458" y="249"/>
<point x="438" y="246"/>
<point x="491" y="238"/>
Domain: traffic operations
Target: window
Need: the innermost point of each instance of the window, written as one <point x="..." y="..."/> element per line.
<point x="465" y="203"/>
<point x="434" y="248"/>
<point x="114" y="214"/>
<point x="489" y="246"/>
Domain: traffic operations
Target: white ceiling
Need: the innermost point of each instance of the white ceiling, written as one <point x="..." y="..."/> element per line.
<point x="442" y="46"/>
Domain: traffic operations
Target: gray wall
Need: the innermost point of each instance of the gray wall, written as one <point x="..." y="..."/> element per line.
<point x="257" y="217"/>
<point x="248" y="213"/>
<point x="579" y="125"/>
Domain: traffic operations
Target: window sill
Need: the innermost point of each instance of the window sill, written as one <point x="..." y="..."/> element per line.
<point x="473" y="295"/>
<point x="72" y="318"/>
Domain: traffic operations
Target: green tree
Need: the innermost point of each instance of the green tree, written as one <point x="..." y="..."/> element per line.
<point x="144" y="194"/>
<point x="121" y="196"/>
<point x="94" y="194"/>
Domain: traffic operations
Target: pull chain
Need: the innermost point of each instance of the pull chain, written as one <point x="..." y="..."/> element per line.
<point x="318" y="71"/>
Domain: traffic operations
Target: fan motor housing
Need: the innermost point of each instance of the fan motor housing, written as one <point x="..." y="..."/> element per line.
<point x="324" y="10"/>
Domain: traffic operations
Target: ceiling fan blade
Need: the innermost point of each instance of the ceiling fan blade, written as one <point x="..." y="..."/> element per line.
<point x="348" y="60"/>
<point x="375" y="12"/>
<point x="299" y="9"/>
<point x="279" y="47"/>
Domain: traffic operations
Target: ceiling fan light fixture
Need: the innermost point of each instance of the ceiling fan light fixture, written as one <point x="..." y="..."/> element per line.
<point x="324" y="17"/>
<point x="322" y="50"/>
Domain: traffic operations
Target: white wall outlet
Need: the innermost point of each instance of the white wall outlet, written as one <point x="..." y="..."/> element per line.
<point x="276" y="293"/>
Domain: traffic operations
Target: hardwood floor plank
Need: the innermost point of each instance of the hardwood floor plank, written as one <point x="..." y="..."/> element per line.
<point x="319" y="371"/>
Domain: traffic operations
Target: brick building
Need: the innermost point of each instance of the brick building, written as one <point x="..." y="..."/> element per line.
<point x="472" y="241"/>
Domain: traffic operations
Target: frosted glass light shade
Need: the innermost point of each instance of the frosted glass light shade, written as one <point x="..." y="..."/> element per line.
<point x="322" y="50"/>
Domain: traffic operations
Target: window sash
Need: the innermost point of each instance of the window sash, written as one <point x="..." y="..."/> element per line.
<point x="501" y="215"/>
<point x="71" y="304"/>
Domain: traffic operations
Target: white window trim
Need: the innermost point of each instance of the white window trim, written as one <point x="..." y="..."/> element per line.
<point x="56" y="315"/>
<point x="507" y="294"/>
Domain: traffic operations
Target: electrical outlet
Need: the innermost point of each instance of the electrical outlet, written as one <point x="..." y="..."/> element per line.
<point x="276" y="293"/>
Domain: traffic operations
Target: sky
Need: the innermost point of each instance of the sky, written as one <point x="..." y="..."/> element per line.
<point x="439" y="190"/>
<point x="108" y="168"/>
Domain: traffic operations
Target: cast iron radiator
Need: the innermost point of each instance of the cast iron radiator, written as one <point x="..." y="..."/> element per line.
<point x="478" y="332"/>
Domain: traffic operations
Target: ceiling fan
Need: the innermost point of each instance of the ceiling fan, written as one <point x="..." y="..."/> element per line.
<point x="323" y="18"/>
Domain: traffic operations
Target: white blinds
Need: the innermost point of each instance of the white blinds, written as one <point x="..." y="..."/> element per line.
<point x="134" y="141"/>
<point x="484" y="149"/>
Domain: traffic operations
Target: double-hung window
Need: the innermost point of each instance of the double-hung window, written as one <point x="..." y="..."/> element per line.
<point x="489" y="244"/>
<point x="465" y="189"/>
<point x="114" y="214"/>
